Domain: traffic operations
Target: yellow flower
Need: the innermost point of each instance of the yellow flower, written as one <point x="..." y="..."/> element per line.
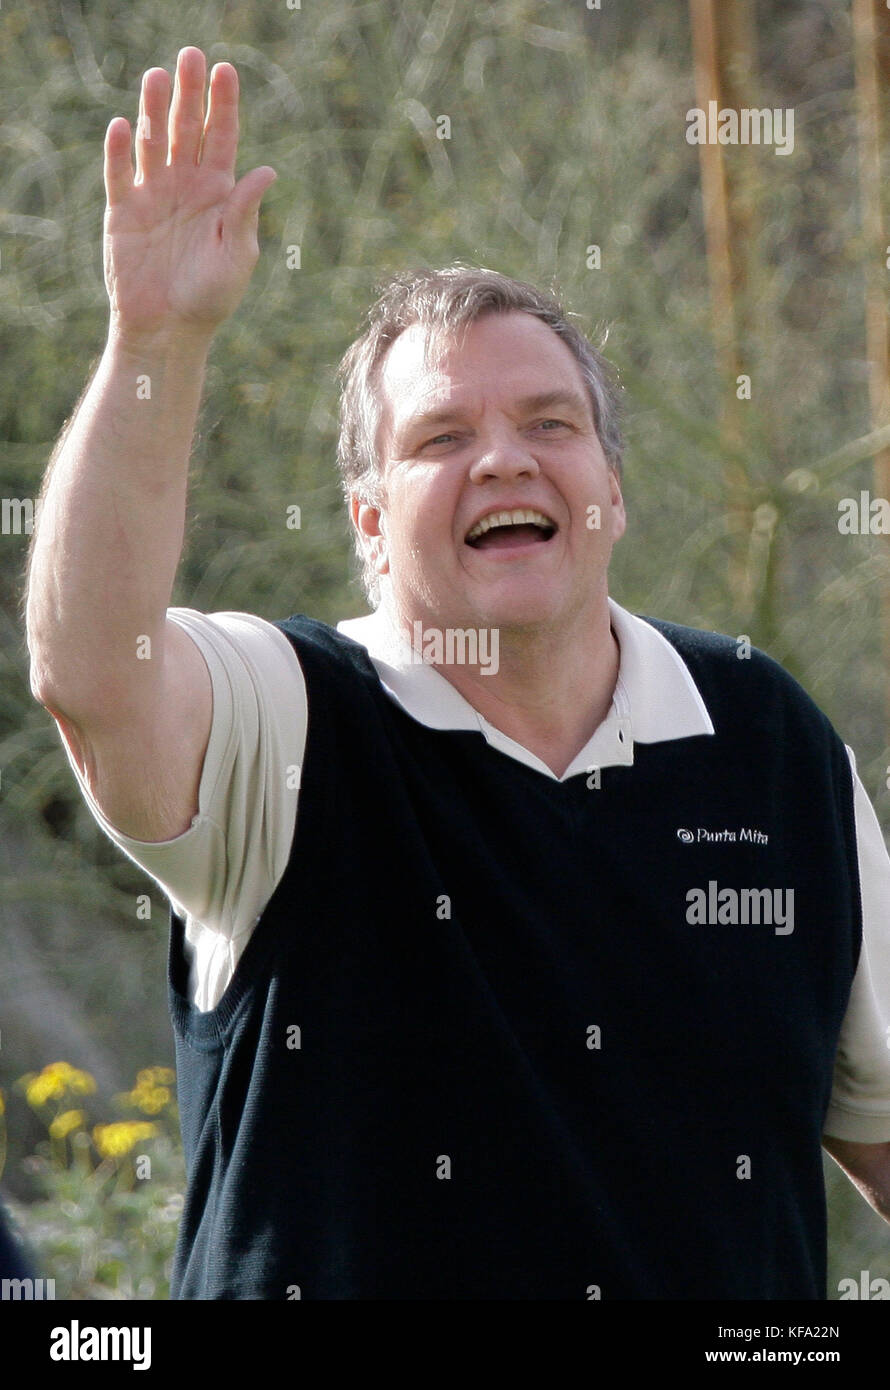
<point x="152" y="1102"/>
<point x="81" y="1082"/>
<point x="2" y="1104"/>
<point x="156" y="1076"/>
<point x="149" y="1099"/>
<point x="151" y="1093"/>
<point x="63" y="1124"/>
<point x="114" y="1141"/>
<point x="55" y="1081"/>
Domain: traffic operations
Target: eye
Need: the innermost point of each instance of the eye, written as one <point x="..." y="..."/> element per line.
<point x="562" y="423"/>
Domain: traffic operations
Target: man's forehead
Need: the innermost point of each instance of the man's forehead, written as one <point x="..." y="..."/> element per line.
<point x="427" y="347"/>
<point x="429" y="369"/>
<point x="424" y="352"/>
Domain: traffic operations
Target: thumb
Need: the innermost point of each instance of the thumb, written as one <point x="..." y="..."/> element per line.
<point x="244" y="201"/>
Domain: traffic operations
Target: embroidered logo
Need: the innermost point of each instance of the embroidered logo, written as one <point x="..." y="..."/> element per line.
<point x="744" y="835"/>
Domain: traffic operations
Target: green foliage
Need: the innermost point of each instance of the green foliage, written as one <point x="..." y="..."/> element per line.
<point x="105" y="1223"/>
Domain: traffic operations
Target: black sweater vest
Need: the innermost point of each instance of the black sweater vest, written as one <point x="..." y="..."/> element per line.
<point x="482" y="1045"/>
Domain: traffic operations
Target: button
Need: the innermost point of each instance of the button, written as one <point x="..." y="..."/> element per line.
<point x="624" y="732"/>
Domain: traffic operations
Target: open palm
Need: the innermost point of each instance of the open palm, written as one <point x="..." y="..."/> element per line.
<point x="180" y="233"/>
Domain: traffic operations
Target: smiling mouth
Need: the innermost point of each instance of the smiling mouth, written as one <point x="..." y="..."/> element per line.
<point x="510" y="530"/>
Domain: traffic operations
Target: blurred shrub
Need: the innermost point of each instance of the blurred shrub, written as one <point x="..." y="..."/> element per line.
<point x="105" y="1225"/>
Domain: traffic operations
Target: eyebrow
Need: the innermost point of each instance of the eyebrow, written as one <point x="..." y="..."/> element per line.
<point x="540" y="400"/>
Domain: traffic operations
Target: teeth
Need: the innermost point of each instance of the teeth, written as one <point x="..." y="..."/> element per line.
<point x="514" y="518"/>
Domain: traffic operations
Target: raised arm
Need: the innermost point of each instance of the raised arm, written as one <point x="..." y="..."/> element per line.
<point x="128" y="688"/>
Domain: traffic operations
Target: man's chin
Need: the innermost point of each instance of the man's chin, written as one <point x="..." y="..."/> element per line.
<point x="524" y="607"/>
<point x="517" y="604"/>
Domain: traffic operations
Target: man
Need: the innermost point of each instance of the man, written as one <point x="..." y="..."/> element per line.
<point x="540" y="969"/>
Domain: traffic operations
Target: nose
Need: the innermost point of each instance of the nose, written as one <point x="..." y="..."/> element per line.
<point x="504" y="459"/>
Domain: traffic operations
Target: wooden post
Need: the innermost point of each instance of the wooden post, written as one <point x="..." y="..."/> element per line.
<point x="715" y="194"/>
<point x="737" y="55"/>
<point x="869" y="17"/>
<point x="724" y="277"/>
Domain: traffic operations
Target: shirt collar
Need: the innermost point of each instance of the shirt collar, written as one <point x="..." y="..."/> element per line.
<point x="655" y="697"/>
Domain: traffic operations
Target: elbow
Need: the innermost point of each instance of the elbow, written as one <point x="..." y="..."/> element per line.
<point x="45" y="690"/>
<point x="58" y="684"/>
<point x="40" y="672"/>
<point x="39" y="676"/>
<point x="84" y="696"/>
<point x="43" y="673"/>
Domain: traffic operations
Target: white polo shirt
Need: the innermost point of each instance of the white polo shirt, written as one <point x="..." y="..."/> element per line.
<point x="220" y="873"/>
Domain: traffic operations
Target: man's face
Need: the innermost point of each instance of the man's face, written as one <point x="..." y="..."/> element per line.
<point x="499" y="424"/>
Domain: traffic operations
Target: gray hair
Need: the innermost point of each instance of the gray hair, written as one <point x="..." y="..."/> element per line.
<point x="448" y="301"/>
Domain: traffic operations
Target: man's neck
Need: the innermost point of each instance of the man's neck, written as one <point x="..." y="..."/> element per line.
<point x="550" y="691"/>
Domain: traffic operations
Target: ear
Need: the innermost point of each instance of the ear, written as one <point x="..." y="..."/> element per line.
<point x="368" y="523"/>
<point x="619" y="515"/>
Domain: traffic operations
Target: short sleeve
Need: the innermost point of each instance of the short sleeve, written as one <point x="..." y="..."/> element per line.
<point x="220" y="873"/>
<point x="859" y="1108"/>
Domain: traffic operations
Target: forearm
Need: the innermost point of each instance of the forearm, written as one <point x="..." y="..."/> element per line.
<point x="110" y="530"/>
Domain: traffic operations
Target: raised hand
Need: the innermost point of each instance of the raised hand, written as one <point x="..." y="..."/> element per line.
<point x="180" y="234"/>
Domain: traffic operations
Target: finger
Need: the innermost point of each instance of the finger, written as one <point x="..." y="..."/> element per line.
<point x="221" y="128"/>
<point x="151" y="129"/>
<point x="243" y="205"/>
<point x="118" y="164"/>
<point x="187" y="107"/>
